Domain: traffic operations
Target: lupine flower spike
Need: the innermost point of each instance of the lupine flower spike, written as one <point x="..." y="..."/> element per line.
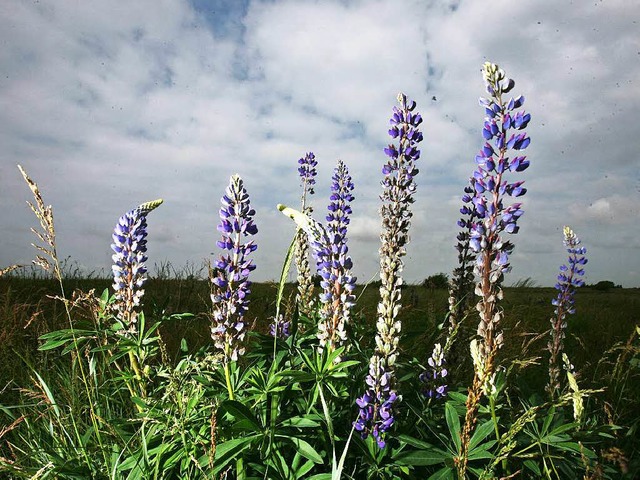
<point x="376" y="405"/>
<point x="434" y="379"/>
<point x="307" y="172"/>
<point x="129" y="257"/>
<point x="280" y="327"/>
<point x="503" y="131"/>
<point x="231" y="285"/>
<point x="329" y="245"/>
<point x="462" y="279"/>
<point x="568" y="280"/>
<point x="334" y="264"/>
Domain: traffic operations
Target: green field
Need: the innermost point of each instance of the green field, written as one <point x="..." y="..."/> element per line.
<point x="28" y="309"/>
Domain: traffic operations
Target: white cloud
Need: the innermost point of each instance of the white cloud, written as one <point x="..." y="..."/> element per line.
<point x="112" y="104"/>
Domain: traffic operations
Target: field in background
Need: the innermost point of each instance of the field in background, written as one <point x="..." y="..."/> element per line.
<point x="28" y="309"/>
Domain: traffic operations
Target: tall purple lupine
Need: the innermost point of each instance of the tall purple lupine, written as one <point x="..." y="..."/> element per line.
<point x="307" y="172"/>
<point x="231" y="285"/>
<point x="376" y="405"/>
<point x="334" y="263"/>
<point x="568" y="280"/>
<point x="503" y="131"/>
<point x="129" y="257"/>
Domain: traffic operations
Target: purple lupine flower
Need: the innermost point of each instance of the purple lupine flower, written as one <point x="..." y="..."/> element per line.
<point x="307" y="171"/>
<point x="231" y="285"/>
<point x="329" y="245"/>
<point x="129" y="257"/>
<point x="462" y="278"/>
<point x="334" y="263"/>
<point x="434" y="379"/>
<point x="280" y="327"/>
<point x="503" y="131"/>
<point x="568" y="280"/>
<point x="375" y="414"/>
<point x="376" y="404"/>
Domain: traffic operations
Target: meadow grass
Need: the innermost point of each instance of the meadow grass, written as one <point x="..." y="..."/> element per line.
<point x="29" y="308"/>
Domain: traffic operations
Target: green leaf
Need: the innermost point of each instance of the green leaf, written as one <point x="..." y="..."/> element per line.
<point x="227" y="451"/>
<point x="480" y="453"/>
<point x="304" y="448"/>
<point x="480" y="434"/>
<point x="533" y="466"/>
<point x="422" y="457"/>
<point x="446" y="473"/>
<point x="453" y="422"/>
<point x="300" y="422"/>
<point x="53" y="344"/>
<point x="49" y="395"/>
<point x="414" y="442"/>
<point x="240" y="412"/>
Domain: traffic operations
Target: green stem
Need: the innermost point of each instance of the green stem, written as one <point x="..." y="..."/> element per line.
<point x="227" y="377"/>
<point x="240" y="472"/>
<point x="492" y="403"/>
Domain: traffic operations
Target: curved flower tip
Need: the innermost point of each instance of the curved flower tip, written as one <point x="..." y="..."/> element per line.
<point x="152" y="205"/>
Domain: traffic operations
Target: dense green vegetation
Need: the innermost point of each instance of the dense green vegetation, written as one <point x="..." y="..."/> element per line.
<point x="29" y="308"/>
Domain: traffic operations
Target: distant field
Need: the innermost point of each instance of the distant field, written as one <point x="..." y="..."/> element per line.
<point x="603" y="318"/>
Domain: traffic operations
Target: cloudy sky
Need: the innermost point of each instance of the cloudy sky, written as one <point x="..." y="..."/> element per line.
<point x="108" y="104"/>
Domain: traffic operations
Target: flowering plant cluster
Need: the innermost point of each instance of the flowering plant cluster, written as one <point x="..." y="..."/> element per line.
<point x="504" y="123"/>
<point x="329" y="245"/>
<point x="503" y="131"/>
<point x="287" y="408"/>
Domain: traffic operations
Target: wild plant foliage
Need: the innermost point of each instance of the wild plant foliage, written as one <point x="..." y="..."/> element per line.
<point x="326" y="394"/>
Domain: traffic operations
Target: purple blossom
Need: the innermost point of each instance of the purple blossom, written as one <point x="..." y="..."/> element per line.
<point x="280" y="327"/>
<point x="377" y="403"/>
<point x="434" y="378"/>
<point x="503" y="131"/>
<point x="334" y="263"/>
<point x="568" y="280"/>
<point x="307" y="171"/>
<point x="231" y="286"/>
<point x="129" y="270"/>
<point x="375" y="416"/>
<point x="462" y="279"/>
<point x="329" y="246"/>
